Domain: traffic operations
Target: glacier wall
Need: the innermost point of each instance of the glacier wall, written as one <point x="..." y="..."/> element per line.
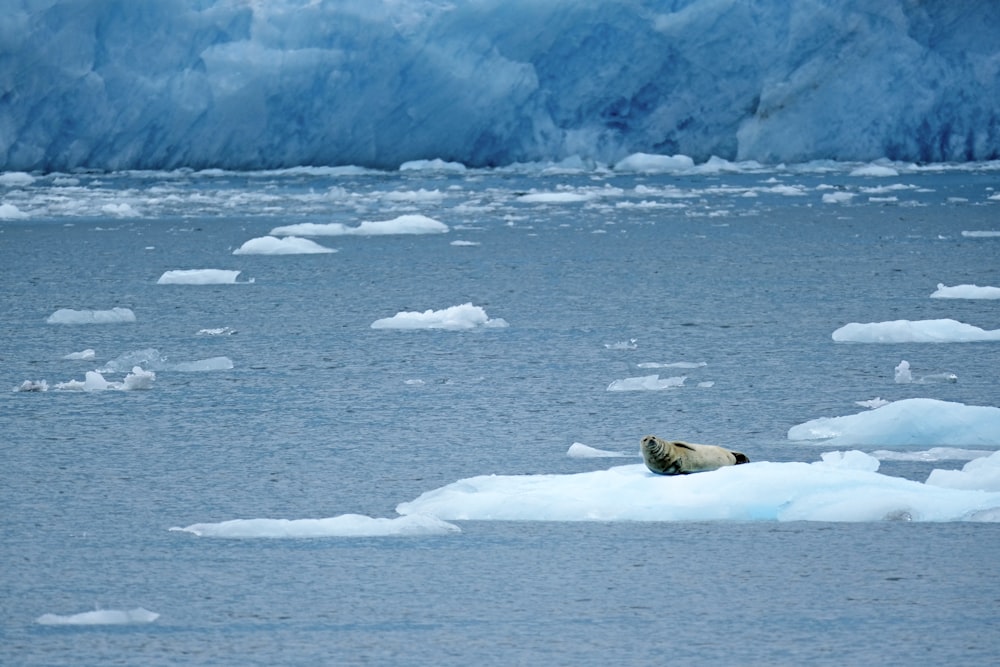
<point x="249" y="84"/>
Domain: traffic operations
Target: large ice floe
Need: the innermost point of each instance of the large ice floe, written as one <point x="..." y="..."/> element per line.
<point x="844" y="485"/>
<point x="910" y="331"/>
<point x="382" y="83"/>
<point x="138" y="615"/>
<point x="71" y="316"/>
<point x="404" y="224"/>
<point x="912" y="421"/>
<point x="199" y="277"/>
<point x="965" y="292"/>
<point x="455" y="318"/>
<point x="290" y="245"/>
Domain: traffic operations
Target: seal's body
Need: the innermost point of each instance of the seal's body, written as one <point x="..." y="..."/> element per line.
<point x="673" y="457"/>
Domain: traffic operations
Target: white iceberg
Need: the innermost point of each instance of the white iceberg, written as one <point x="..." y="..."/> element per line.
<point x="578" y="450"/>
<point x="979" y="473"/>
<point x="654" y="164"/>
<point x="404" y="224"/>
<point x="647" y="383"/>
<point x="101" y="617"/>
<point x="913" y="421"/>
<point x="83" y="355"/>
<point x="291" y="245"/>
<point x="198" y="277"/>
<point x="94" y="381"/>
<point x="455" y="318"/>
<point x="842" y="487"/>
<point x="70" y="316"/>
<point x="965" y="292"/>
<point x="909" y="331"/>
<point x="345" y="525"/>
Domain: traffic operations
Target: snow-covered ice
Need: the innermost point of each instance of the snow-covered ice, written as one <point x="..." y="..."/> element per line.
<point x="290" y="245"/>
<point x="101" y="617"/>
<point x="455" y="318"/>
<point x="71" y="316"/>
<point x="912" y="421"/>
<point x="199" y="277"/>
<point x="965" y="292"/>
<point x="647" y="383"/>
<point x="345" y="525"/>
<point x="913" y="331"/>
<point x="413" y="223"/>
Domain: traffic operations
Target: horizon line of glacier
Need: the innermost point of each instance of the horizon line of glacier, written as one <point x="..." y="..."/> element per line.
<point x="379" y="83"/>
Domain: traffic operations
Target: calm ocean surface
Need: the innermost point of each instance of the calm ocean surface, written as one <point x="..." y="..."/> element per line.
<point x="749" y="271"/>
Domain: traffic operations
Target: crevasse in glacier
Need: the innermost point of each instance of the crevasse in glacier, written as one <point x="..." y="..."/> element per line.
<point x="247" y="84"/>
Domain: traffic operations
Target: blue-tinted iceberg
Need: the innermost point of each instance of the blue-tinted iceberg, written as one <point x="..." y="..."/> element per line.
<point x="251" y="85"/>
<point x="101" y="617"/>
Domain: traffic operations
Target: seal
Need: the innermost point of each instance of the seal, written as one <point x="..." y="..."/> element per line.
<point x="673" y="457"/>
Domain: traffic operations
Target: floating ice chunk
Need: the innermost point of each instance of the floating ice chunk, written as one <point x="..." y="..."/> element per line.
<point x="345" y="525"/>
<point x="837" y="197"/>
<point x="420" y="195"/>
<point x="138" y="379"/>
<point x="465" y="244"/>
<point x="979" y="473"/>
<point x="436" y="164"/>
<point x="121" y="210"/>
<point x="199" y="277"/>
<point x="16" y="179"/>
<point x="11" y="212"/>
<point x="932" y="454"/>
<point x="872" y="404"/>
<point x="965" y="292"/>
<point x="842" y="488"/>
<point x="654" y="164"/>
<point x="555" y="197"/>
<point x="983" y="234"/>
<point x="70" y="316"/>
<point x="405" y="224"/>
<point x="877" y="170"/>
<point x="201" y="365"/>
<point x="629" y="344"/>
<point x="913" y="421"/>
<point x="902" y="373"/>
<point x="32" y="386"/>
<point x="578" y="450"/>
<point x="707" y="384"/>
<point x="291" y="245"/>
<point x="465" y="316"/>
<point x="675" y="364"/>
<point x="909" y="331"/>
<point x="84" y="355"/>
<point x="101" y="617"/>
<point x="218" y="331"/>
<point x="849" y="460"/>
<point x="646" y="383"/>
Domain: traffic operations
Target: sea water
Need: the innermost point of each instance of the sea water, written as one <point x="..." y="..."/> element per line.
<point x="274" y="397"/>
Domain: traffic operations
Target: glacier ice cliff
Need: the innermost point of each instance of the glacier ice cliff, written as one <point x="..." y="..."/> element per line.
<point x="249" y="84"/>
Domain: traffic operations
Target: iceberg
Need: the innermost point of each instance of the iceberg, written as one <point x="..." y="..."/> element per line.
<point x="647" y="383"/>
<point x="476" y="83"/>
<point x="982" y="473"/>
<point x="101" y="617"/>
<point x="70" y="316"/>
<point x="910" y="331"/>
<point x="455" y="318"/>
<point x="290" y="245"/>
<point x="844" y="486"/>
<point x="345" y="525"/>
<point x="404" y="224"/>
<point x="578" y="450"/>
<point x="912" y="421"/>
<point x="965" y="292"/>
<point x="198" y="277"/>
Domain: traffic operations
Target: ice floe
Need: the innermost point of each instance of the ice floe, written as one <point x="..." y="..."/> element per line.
<point x="101" y="617"/>
<point x="94" y="381"/>
<point x="404" y="224"/>
<point x="199" y="277"/>
<point x="345" y="525"/>
<point x="980" y="473"/>
<point x="965" y="292"/>
<point x="647" y="383"/>
<point x="578" y="450"/>
<point x="151" y="358"/>
<point x="913" y="331"/>
<point x="83" y="355"/>
<point x="290" y="245"/>
<point x="903" y="375"/>
<point x="70" y="316"/>
<point x="912" y="421"/>
<point x="455" y="318"/>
